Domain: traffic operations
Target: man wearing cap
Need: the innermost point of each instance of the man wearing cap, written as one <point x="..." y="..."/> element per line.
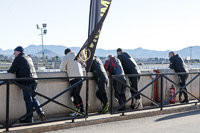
<point x="130" y="67"/>
<point x="23" y="67"/>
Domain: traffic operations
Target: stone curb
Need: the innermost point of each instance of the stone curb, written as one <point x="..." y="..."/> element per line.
<point x="92" y="120"/>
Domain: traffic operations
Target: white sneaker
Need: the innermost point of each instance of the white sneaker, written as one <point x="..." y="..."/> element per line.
<point x="138" y="104"/>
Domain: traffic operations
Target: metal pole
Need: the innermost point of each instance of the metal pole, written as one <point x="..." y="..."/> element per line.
<point x="191" y="55"/>
<point x="87" y="90"/>
<point x="7" y="105"/>
<point x="199" y="91"/>
<point x="161" y="93"/>
<point x="111" y="95"/>
<point x="42" y="45"/>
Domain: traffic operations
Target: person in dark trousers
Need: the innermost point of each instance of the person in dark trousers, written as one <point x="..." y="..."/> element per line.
<point x="23" y="67"/>
<point x="73" y="69"/>
<point x="130" y="67"/>
<point x="101" y="78"/>
<point x="113" y="66"/>
<point x="177" y="63"/>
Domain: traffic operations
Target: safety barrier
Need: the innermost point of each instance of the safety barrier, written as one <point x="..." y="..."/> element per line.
<point x="161" y="104"/>
<point x="8" y="124"/>
<point x="113" y="110"/>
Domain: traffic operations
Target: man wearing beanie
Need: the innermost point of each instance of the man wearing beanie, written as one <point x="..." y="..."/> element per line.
<point x="23" y="67"/>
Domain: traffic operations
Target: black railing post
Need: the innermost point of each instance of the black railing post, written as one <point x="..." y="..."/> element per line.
<point x="199" y="89"/>
<point x="87" y="94"/>
<point x="111" y="94"/>
<point x="7" y="105"/>
<point x="161" y="93"/>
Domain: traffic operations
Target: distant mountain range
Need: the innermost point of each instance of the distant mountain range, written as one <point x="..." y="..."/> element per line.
<point x="58" y="50"/>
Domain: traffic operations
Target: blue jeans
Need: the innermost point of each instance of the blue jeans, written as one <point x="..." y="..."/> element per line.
<point x="30" y="101"/>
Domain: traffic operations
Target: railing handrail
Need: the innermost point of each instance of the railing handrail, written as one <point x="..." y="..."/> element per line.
<point x="159" y="75"/>
<point x="154" y="74"/>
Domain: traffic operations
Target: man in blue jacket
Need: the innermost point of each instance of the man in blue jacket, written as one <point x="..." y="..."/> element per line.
<point x="23" y="67"/>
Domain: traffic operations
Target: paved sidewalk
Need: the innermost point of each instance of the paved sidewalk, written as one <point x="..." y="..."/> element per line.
<point x="181" y="122"/>
<point x="92" y="120"/>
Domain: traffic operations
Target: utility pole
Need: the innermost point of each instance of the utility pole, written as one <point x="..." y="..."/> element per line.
<point x="43" y="32"/>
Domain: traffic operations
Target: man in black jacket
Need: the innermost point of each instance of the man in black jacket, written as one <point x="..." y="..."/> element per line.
<point x="23" y="67"/>
<point x="101" y="78"/>
<point x="177" y="63"/>
<point x="130" y="67"/>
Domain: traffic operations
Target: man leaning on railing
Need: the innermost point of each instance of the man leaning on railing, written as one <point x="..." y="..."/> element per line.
<point x="177" y="63"/>
<point x="114" y="67"/>
<point x="23" y="67"/>
<point x="130" y="67"/>
<point x="73" y="69"/>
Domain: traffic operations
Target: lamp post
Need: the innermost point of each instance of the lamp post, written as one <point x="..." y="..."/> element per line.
<point x="43" y="32"/>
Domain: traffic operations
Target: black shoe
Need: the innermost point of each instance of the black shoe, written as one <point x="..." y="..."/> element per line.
<point x="185" y="101"/>
<point x="42" y="117"/>
<point x="26" y="121"/>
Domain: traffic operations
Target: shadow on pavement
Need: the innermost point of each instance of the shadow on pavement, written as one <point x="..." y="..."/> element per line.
<point x="174" y="116"/>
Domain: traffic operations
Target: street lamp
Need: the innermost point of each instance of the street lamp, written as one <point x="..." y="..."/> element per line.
<point x="43" y="32"/>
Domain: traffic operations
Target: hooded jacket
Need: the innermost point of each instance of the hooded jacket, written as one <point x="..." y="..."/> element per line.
<point x="23" y="67"/>
<point x="70" y="66"/>
<point x="177" y="63"/>
<point x="98" y="70"/>
<point x="128" y="63"/>
<point x="114" y="67"/>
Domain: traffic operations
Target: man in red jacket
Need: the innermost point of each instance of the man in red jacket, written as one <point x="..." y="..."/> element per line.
<point x="113" y="66"/>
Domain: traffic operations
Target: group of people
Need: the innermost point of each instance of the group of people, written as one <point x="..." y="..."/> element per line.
<point x="120" y="66"/>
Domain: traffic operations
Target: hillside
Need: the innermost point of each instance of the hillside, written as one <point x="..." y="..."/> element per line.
<point x="53" y="50"/>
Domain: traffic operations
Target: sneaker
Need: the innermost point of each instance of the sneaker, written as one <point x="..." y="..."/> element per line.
<point x="105" y="109"/>
<point x="138" y="104"/>
<point x="42" y="117"/>
<point x="74" y="114"/>
<point x="26" y="121"/>
<point x="132" y="104"/>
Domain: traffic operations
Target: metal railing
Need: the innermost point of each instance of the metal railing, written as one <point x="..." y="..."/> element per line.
<point x="8" y="124"/>
<point x="113" y="110"/>
<point x="161" y="104"/>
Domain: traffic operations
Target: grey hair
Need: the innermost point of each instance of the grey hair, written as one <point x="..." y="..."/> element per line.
<point x="110" y="56"/>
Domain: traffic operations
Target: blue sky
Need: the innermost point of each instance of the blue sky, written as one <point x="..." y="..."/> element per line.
<point x="150" y="24"/>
